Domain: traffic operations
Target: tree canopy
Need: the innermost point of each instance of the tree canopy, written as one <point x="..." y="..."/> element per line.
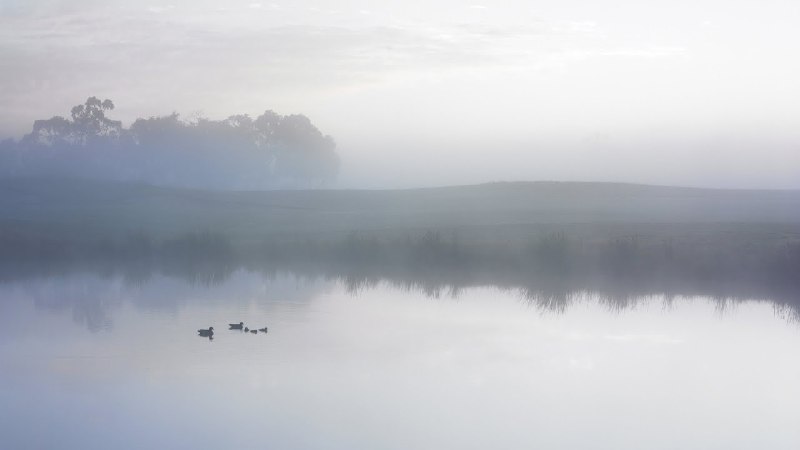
<point x="239" y="152"/>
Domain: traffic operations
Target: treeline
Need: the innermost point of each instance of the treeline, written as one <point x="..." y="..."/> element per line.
<point x="239" y="152"/>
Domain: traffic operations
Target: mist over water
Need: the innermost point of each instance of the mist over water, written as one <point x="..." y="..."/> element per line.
<point x="384" y="367"/>
<point x="406" y="225"/>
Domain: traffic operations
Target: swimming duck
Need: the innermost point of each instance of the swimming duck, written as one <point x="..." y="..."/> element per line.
<point x="254" y="331"/>
<point x="246" y="329"/>
<point x="263" y="330"/>
<point x="206" y="333"/>
<point x="236" y="326"/>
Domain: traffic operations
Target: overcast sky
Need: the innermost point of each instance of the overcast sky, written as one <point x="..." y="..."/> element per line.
<point x="700" y="92"/>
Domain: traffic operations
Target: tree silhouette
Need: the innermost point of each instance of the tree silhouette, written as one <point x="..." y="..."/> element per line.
<point x="238" y="152"/>
<point x="89" y="123"/>
<point x="90" y="120"/>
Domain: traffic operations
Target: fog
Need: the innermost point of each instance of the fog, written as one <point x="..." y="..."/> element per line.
<point x="385" y="368"/>
<point x="279" y="97"/>
<point x="241" y="152"/>
<point x="399" y="224"/>
<point x="699" y="93"/>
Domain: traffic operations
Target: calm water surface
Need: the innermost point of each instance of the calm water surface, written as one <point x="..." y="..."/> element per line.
<point x="90" y="362"/>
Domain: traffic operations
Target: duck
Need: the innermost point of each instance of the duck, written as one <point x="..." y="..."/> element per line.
<point x="254" y="331"/>
<point x="263" y="330"/>
<point x="236" y="326"/>
<point x="206" y="333"/>
<point x="246" y="329"/>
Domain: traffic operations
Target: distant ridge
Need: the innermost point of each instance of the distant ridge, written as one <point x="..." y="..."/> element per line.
<point x="114" y="207"/>
<point x="515" y="184"/>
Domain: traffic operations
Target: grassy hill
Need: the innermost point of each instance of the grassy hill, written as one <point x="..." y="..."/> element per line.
<point x="77" y="209"/>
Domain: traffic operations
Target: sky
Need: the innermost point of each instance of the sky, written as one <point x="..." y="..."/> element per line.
<point x="427" y="93"/>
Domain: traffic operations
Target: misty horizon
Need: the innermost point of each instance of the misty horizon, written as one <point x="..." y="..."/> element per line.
<point x="399" y="225"/>
<point x="432" y="176"/>
<point x="448" y="93"/>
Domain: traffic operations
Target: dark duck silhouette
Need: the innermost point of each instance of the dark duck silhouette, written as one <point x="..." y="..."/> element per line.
<point x="236" y="326"/>
<point x="263" y="330"/>
<point x="254" y="331"/>
<point x="206" y="333"/>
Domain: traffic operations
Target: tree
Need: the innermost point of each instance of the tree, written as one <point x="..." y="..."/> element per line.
<point x="88" y="125"/>
<point x="235" y="153"/>
<point x="90" y="121"/>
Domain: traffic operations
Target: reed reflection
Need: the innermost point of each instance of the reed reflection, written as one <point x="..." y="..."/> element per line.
<point x="93" y="292"/>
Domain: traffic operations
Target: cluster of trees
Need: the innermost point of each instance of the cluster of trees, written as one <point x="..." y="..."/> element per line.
<point x="239" y="152"/>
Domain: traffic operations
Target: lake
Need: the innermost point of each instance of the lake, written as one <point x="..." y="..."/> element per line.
<point x="105" y="361"/>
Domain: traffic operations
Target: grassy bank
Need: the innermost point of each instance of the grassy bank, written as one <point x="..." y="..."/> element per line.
<point x="550" y="238"/>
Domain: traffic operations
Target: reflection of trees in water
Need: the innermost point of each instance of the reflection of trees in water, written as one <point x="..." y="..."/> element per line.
<point x="92" y="313"/>
<point x="90" y="300"/>
<point x="200" y="273"/>
<point x="556" y="291"/>
<point x="94" y="294"/>
<point x="92" y="290"/>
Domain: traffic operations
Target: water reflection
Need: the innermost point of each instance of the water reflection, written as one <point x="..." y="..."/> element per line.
<point x="92" y="293"/>
<point x="361" y="361"/>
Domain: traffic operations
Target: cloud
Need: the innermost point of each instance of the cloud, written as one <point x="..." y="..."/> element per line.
<point x="187" y="52"/>
<point x="159" y="9"/>
<point x="585" y="26"/>
<point x="645" y="338"/>
<point x="645" y="52"/>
